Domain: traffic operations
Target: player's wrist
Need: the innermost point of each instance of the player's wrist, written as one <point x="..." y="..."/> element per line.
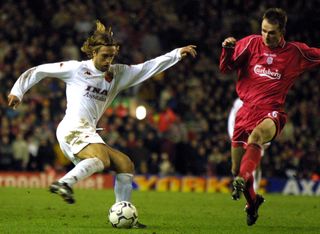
<point x="227" y="46"/>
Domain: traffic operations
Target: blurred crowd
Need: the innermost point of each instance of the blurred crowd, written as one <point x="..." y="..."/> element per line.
<point x="185" y="132"/>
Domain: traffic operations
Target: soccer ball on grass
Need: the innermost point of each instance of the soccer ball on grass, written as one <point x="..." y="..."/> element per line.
<point x="123" y="215"/>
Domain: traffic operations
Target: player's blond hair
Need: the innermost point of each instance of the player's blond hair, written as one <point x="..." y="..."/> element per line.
<point x="100" y="37"/>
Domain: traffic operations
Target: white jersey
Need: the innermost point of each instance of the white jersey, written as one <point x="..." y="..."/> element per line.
<point x="89" y="94"/>
<point x="237" y="104"/>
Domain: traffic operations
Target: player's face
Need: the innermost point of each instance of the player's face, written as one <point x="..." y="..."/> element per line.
<point x="271" y="34"/>
<point x="104" y="57"/>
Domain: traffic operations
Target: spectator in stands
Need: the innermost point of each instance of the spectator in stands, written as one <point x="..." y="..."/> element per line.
<point x="20" y="152"/>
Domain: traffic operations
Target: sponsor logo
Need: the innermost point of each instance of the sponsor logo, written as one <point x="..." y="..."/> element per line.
<point x="269" y="55"/>
<point x="264" y="72"/>
<point x="96" y="93"/>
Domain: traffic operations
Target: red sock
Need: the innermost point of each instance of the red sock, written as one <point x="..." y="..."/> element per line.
<point x="249" y="192"/>
<point x="250" y="160"/>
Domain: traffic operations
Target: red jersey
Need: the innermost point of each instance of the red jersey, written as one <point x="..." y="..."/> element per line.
<point x="265" y="75"/>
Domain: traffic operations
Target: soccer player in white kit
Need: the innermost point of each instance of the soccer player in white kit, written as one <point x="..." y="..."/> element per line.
<point x="237" y="104"/>
<point x="91" y="86"/>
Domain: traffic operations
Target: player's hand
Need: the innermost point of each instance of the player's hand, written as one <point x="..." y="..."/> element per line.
<point x="190" y="49"/>
<point x="13" y="101"/>
<point x="229" y="42"/>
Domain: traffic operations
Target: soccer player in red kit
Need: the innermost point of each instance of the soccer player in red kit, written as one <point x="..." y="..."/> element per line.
<point x="267" y="67"/>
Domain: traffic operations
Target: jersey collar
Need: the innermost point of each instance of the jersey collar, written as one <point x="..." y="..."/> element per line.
<point x="93" y="68"/>
<point x="282" y="43"/>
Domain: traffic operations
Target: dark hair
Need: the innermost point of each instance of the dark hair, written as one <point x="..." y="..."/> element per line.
<point x="276" y="16"/>
<point x="100" y="37"/>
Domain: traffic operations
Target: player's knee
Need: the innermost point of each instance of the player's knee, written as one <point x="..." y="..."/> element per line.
<point x="130" y="166"/>
<point x="256" y="137"/>
<point x="126" y="166"/>
<point x="260" y="136"/>
<point x="105" y="160"/>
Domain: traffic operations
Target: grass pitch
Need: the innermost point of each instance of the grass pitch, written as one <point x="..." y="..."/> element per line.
<point x="38" y="211"/>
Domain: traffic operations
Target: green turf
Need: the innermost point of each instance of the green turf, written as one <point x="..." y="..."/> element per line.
<point x="38" y="211"/>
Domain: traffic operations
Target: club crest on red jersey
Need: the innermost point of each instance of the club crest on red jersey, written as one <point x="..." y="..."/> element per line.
<point x="269" y="60"/>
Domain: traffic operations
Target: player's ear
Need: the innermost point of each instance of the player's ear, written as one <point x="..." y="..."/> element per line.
<point x="94" y="53"/>
<point x="118" y="48"/>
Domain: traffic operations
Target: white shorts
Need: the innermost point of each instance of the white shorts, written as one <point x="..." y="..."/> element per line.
<point x="237" y="104"/>
<point x="74" y="137"/>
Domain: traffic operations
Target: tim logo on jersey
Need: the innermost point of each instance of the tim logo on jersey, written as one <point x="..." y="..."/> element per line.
<point x="264" y="72"/>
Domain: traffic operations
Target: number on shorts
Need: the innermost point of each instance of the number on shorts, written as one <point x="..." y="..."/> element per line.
<point x="273" y="114"/>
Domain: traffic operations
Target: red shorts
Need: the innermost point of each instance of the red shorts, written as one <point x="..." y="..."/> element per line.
<point x="248" y="118"/>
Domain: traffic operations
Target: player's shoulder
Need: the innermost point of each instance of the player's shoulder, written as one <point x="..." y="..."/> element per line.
<point x="70" y="64"/>
<point x="250" y="41"/>
<point x="298" y="48"/>
<point x="297" y="45"/>
<point x="73" y="62"/>
<point x="254" y="38"/>
<point x="85" y="63"/>
<point x="119" y="68"/>
<point x="88" y="66"/>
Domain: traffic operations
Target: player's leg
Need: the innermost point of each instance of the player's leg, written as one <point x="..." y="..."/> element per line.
<point x="239" y="185"/>
<point x="93" y="158"/>
<point x="257" y="174"/>
<point x="124" y="167"/>
<point x="236" y="157"/>
<point x="264" y="132"/>
<point x="120" y="162"/>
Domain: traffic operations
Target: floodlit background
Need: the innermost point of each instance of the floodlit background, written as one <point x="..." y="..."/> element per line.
<point x="173" y="126"/>
<point x="176" y="122"/>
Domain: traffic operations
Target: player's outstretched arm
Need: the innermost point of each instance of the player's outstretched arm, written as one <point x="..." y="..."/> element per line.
<point x="228" y="46"/>
<point x="190" y="49"/>
<point x="13" y="101"/>
<point x="135" y="74"/>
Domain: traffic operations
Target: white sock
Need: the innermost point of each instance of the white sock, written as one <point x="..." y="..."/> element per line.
<point x="257" y="178"/>
<point x="123" y="187"/>
<point x="82" y="170"/>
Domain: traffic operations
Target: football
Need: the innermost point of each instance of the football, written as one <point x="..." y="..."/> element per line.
<point x="123" y="215"/>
